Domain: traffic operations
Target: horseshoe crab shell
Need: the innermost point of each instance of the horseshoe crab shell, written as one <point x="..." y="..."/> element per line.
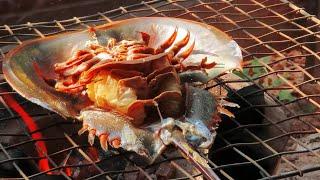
<point x="28" y="67"/>
<point x="19" y="65"/>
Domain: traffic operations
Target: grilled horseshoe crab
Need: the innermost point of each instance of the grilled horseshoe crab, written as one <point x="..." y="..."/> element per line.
<point x="130" y="82"/>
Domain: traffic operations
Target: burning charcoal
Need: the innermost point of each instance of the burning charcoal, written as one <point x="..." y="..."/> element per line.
<point x="165" y="171"/>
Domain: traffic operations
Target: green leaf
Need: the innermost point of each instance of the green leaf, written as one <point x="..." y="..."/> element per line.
<point x="256" y="61"/>
<point x="276" y="82"/>
<point x="241" y="74"/>
<point x="309" y="108"/>
<point x="265" y="59"/>
<point x="257" y="71"/>
<point x="286" y="95"/>
<point x="246" y="72"/>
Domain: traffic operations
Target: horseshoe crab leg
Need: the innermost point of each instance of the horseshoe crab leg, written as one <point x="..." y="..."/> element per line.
<point x="167" y="43"/>
<point x="179" y="45"/>
<point x="183" y="55"/>
<point x="114" y="129"/>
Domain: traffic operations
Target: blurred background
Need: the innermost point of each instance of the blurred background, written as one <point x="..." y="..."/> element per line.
<point x="23" y="11"/>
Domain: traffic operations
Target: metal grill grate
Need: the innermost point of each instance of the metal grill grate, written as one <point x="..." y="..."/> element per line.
<point x="269" y="29"/>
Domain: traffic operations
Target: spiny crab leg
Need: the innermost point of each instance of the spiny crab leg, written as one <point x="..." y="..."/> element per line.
<point x="104" y="138"/>
<point x="179" y="45"/>
<point x="83" y="129"/>
<point x="167" y="43"/>
<point x="145" y="37"/>
<point x="183" y="55"/>
<point x="104" y="141"/>
<point x="91" y="136"/>
<point x="125" y="50"/>
<point x="177" y="60"/>
<point x="137" y="56"/>
<point x="199" y="67"/>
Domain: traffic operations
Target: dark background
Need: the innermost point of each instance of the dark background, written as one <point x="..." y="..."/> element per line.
<point x="23" y="11"/>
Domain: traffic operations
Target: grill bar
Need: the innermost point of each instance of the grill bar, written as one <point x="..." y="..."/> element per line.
<point x="271" y="69"/>
<point x="14" y="164"/>
<point x="29" y="135"/>
<point x="239" y="19"/>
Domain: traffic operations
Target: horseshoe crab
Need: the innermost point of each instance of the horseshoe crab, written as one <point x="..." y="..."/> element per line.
<point x="130" y="81"/>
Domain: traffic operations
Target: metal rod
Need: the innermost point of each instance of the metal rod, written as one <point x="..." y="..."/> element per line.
<point x="196" y="11"/>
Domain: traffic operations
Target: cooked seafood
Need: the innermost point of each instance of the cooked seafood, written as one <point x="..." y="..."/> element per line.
<point x="125" y="79"/>
<point x="130" y="82"/>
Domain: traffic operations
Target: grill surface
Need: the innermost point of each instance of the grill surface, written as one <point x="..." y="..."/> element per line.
<point x="269" y="28"/>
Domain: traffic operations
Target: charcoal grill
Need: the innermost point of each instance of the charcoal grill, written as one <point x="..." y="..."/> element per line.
<point x="272" y="137"/>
